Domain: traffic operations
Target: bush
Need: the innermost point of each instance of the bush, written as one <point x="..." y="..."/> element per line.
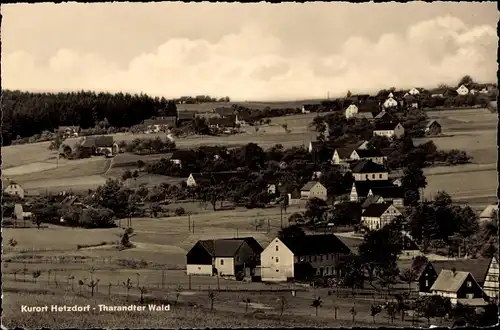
<point x="180" y="211"/>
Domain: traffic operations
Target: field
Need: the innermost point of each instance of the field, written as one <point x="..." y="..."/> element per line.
<point x="156" y="263"/>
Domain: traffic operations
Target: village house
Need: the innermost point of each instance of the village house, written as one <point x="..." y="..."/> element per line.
<point x="441" y="92"/>
<point x="308" y="108"/>
<point x="492" y="106"/>
<point x="185" y="116"/>
<point x="16" y="190"/>
<point x="20" y="214"/>
<point x="368" y="110"/>
<point x="378" y="215"/>
<point x="223" y="257"/>
<point x="459" y="286"/>
<point x="360" y="189"/>
<point x="197" y="179"/>
<point x="389" y="130"/>
<point x="292" y="194"/>
<point x="100" y="145"/>
<point x="313" y="189"/>
<point x="158" y="125"/>
<point x="477" y="267"/>
<point x="397" y="182"/>
<point x="374" y="155"/>
<point x="491" y="283"/>
<point x="245" y="117"/>
<point x="463" y="90"/>
<point x="390" y="102"/>
<point x="395" y="195"/>
<point x="69" y="131"/>
<point x="411" y="102"/>
<point x="414" y="91"/>
<point x="180" y="157"/>
<point x="368" y="170"/>
<point x="282" y="259"/>
<point x="222" y="122"/>
<point x="343" y="155"/>
<point x="432" y="127"/>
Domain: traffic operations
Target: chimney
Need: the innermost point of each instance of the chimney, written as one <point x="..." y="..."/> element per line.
<point x="454" y="270"/>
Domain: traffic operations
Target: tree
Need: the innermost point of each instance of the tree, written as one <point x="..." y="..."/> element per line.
<point x="316" y="304"/>
<point x="80" y="284"/>
<point x="246" y="301"/>
<point x="375" y="309"/>
<point x="56" y="144"/>
<point x="411" y="197"/>
<point x="211" y="296"/>
<point x="127" y="285"/>
<point x="282" y="304"/>
<point x="391" y="311"/>
<point x="292" y="231"/>
<point x="409" y="276"/>
<point x="92" y="285"/>
<point x="388" y="276"/>
<point x="349" y="94"/>
<point x="432" y="306"/>
<point x="36" y="274"/>
<point x="466" y="80"/>
<point x="143" y="291"/>
<point x="315" y="209"/>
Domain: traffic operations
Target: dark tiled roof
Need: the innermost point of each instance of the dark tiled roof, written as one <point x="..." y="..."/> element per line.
<point x="383" y="115"/>
<point x="315" y="245"/>
<point x="363" y="187"/>
<point x="308" y="186"/>
<point x="376" y="209"/>
<point x="186" y="115"/>
<point x="368" y="106"/>
<point x="366" y="115"/>
<point x="380" y="126"/>
<point x="254" y="245"/>
<point x="477" y="267"/>
<point x="218" y="177"/>
<point x="183" y="155"/>
<point x="368" y="153"/>
<point x="369" y="201"/>
<point x="351" y="242"/>
<point x="388" y="192"/>
<point x="449" y="281"/>
<point x="312" y="107"/>
<point x="368" y="166"/>
<point x="229" y="121"/>
<point x="222" y="247"/>
<point x="432" y="122"/>
<point x="344" y="152"/>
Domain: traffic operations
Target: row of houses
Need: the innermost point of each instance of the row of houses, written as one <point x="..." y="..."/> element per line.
<point x="468" y="281"/>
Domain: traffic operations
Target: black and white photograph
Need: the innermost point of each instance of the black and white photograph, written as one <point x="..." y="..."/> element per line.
<point x="249" y="165"/>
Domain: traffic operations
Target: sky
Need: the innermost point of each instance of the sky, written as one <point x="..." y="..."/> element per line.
<point x="260" y="51"/>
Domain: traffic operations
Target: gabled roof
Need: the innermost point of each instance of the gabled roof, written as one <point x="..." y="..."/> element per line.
<point x="186" y="115"/>
<point x="429" y="123"/>
<point x="223" y="247"/>
<point x="366" y="115"/>
<point x="388" y="192"/>
<point x="489" y="211"/>
<point x="218" y="177"/>
<point x="383" y="115"/>
<point x="368" y="166"/>
<point x="294" y="192"/>
<point x="228" y="121"/>
<point x="344" y="152"/>
<point x="369" y="201"/>
<point x="363" y="187"/>
<point x="376" y="209"/>
<point x="308" y="186"/>
<point x="312" y="107"/>
<point x="368" y="153"/>
<point x="315" y="244"/>
<point x="224" y="111"/>
<point x="368" y="106"/>
<point x="477" y="267"/>
<point x="381" y="126"/>
<point x="449" y="281"/>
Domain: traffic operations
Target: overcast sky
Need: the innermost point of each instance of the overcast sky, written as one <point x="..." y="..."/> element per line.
<point x="246" y="51"/>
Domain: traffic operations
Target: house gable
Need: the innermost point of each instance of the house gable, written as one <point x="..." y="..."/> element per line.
<point x="491" y="284"/>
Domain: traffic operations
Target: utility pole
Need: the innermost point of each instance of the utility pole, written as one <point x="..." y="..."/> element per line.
<point x="281" y="214"/>
<point x="189" y="222"/>
<point x="268" y="225"/>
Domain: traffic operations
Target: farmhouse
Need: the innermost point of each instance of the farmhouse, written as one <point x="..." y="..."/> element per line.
<point x="15" y="189"/>
<point x="223" y="257"/>
<point x="411" y="101"/>
<point x="432" y="127"/>
<point x="374" y="155"/>
<point x="360" y="189"/>
<point x="459" y="286"/>
<point x="389" y="194"/>
<point x="366" y="110"/>
<point x="180" y="157"/>
<point x="100" y="145"/>
<point x="196" y="179"/>
<point x="378" y="215"/>
<point x="222" y="122"/>
<point x="313" y="189"/>
<point x="162" y="124"/>
<point x="368" y="170"/>
<point x="492" y="106"/>
<point x="284" y="259"/>
<point x="390" y="130"/>
<point x="185" y="116"/>
<point x="292" y="194"/>
<point x="414" y="91"/>
<point x="477" y="267"/>
<point x="463" y="90"/>
<point x="438" y="92"/>
<point x="68" y="131"/>
<point x="491" y="283"/>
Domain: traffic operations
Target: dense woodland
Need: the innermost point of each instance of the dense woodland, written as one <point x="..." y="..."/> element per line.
<point x="26" y="114"/>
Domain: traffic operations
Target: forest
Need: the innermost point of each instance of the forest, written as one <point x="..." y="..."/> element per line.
<point x="26" y="114"/>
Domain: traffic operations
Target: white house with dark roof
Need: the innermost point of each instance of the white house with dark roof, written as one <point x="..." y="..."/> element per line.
<point x="368" y="170"/>
<point x="432" y="127"/>
<point x="313" y="189"/>
<point x="223" y="257"/>
<point x="489" y="213"/>
<point x="282" y="259"/>
<point x="360" y="189"/>
<point x="15" y="189"/>
<point x="389" y="194"/>
<point x="162" y="124"/>
<point x="463" y="90"/>
<point x="414" y="91"/>
<point x="378" y="215"/>
<point x="459" y="287"/>
<point x="389" y="130"/>
<point x="390" y="102"/>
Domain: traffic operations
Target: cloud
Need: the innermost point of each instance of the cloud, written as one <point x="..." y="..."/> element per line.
<point x="255" y="65"/>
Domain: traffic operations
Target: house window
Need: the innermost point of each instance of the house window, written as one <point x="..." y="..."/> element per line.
<point x="326" y="257"/>
<point x="470" y="296"/>
<point x="277" y="270"/>
<point x="380" y="176"/>
<point x="199" y="268"/>
<point x="373" y="176"/>
<point x="222" y="262"/>
<point x="321" y="258"/>
<point x="277" y="248"/>
<point x="314" y="258"/>
<point x="277" y="259"/>
<point x="469" y="284"/>
<point x="426" y="283"/>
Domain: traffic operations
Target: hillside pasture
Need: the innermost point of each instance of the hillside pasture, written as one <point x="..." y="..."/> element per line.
<point x="208" y="107"/>
<point x="25" y="154"/>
